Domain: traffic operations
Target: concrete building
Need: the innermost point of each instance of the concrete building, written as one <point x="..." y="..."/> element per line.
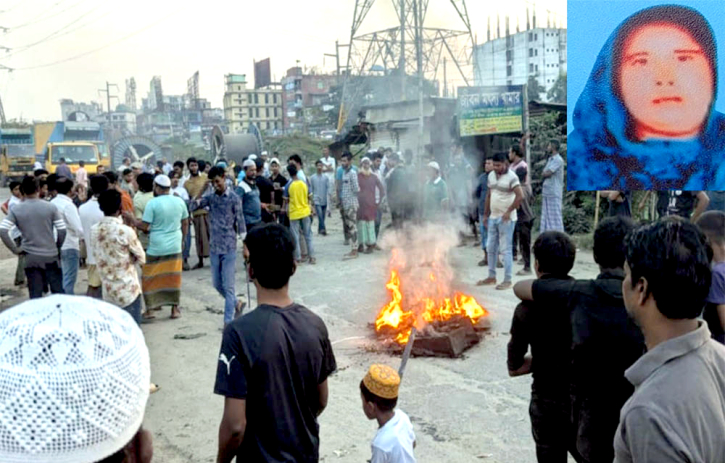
<point x="81" y="112"/>
<point x="395" y="125"/>
<point x="304" y="96"/>
<point x="243" y="106"/>
<point x="123" y="120"/>
<point x="510" y="60"/>
<point x="155" y="100"/>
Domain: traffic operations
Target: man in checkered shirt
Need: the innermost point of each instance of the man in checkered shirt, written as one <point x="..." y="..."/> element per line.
<point x="348" y="202"/>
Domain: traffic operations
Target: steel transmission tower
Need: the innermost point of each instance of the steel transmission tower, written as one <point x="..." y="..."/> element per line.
<point x="407" y="49"/>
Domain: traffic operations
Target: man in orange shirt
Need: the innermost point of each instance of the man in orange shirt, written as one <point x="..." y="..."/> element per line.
<point x="126" y="201"/>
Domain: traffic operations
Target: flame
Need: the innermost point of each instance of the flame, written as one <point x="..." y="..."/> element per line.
<point x="399" y="315"/>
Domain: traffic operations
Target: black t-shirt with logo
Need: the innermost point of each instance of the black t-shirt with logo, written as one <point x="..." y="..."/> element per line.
<point x="275" y="358"/>
<point x="676" y="202"/>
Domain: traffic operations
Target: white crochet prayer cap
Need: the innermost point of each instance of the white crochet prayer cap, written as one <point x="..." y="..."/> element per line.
<point x="434" y="165"/>
<point x="74" y="380"/>
<point x="249" y="163"/>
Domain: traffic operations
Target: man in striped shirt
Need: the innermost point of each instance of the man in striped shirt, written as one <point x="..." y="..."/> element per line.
<point x="36" y="219"/>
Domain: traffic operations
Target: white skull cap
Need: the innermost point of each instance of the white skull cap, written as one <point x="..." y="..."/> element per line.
<point x="74" y="380"/>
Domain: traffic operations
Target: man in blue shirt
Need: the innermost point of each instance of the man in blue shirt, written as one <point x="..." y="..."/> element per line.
<point x="227" y="223"/>
<point x="249" y="193"/>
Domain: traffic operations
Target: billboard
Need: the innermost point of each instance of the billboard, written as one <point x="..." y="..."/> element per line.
<point x="262" y="73"/>
<point x="490" y="110"/>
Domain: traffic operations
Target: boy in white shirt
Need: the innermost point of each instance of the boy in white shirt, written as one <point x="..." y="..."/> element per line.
<point x="395" y="439"/>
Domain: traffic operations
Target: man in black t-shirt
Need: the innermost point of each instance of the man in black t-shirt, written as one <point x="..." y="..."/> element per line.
<point x="278" y="181"/>
<point x="619" y="203"/>
<point x="545" y="329"/>
<point x="682" y="203"/>
<point x="273" y="365"/>
<point x="603" y="340"/>
<point x="266" y="192"/>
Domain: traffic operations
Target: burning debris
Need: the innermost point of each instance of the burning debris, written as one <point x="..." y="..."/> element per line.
<point x="447" y="322"/>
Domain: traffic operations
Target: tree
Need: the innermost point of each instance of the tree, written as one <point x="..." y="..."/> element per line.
<point x="534" y="88"/>
<point x="557" y="94"/>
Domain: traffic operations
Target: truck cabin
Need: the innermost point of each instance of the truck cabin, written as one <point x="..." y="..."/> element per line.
<point x="73" y="153"/>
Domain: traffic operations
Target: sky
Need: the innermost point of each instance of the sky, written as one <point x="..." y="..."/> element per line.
<point x="592" y="26"/>
<point x="175" y="39"/>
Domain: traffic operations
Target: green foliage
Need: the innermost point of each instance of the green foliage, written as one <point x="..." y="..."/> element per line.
<point x="181" y="151"/>
<point x="534" y="89"/>
<point x="557" y="93"/>
<point x="309" y="148"/>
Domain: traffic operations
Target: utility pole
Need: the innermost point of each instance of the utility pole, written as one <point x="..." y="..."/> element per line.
<point x="337" y="59"/>
<point x="403" y="75"/>
<point x="107" y="91"/>
<point x="419" y="56"/>
<point x="445" y="79"/>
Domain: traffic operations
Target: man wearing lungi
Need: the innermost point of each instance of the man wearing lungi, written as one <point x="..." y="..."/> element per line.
<point x="195" y="185"/>
<point x="552" y="190"/>
<point x="166" y="219"/>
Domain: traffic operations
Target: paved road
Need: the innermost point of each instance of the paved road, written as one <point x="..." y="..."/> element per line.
<point x="463" y="410"/>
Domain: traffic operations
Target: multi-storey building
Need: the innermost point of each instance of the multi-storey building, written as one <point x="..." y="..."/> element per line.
<point x="511" y="60"/>
<point x="303" y="95"/>
<point x="243" y="106"/>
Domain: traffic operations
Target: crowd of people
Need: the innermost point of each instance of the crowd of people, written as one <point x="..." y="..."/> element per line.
<point x="626" y="367"/>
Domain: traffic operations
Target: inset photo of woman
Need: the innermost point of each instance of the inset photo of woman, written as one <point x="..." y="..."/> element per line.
<point x="643" y="84"/>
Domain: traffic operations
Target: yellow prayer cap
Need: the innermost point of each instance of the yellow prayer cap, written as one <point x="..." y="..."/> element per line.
<point x="382" y="381"/>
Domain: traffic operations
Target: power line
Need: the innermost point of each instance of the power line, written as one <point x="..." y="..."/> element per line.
<point x="59" y="32"/>
<point x="13" y="7"/>
<point x="125" y="37"/>
<point x="42" y="16"/>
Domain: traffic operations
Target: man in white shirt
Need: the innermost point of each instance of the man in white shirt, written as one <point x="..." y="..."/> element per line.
<point x="70" y="251"/>
<point x="15" y="234"/>
<point x="503" y="198"/>
<point x="328" y="168"/>
<point x="91" y="214"/>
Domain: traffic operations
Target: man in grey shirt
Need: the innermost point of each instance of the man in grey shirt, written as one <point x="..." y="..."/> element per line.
<point x="552" y="190"/>
<point x="677" y="411"/>
<point x="320" y="190"/>
<point x="36" y="220"/>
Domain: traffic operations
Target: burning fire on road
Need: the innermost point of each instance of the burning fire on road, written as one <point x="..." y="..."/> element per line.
<point x="422" y="296"/>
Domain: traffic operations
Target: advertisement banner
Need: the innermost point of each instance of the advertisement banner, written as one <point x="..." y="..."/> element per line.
<point x="490" y="110"/>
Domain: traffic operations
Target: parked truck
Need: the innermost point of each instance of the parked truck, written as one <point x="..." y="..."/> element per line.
<point x="17" y="154"/>
<point x="72" y="152"/>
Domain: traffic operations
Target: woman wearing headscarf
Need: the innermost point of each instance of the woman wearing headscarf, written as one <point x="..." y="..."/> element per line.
<point x="645" y="119"/>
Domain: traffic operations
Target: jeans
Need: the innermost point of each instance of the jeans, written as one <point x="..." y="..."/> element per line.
<point x="484" y="232"/>
<point x="20" y="268"/>
<point x="222" y="277"/>
<point x="186" y="246"/>
<point x="307" y="232"/>
<point x="69" y="259"/>
<point x="549" y="425"/>
<point x="134" y="309"/>
<point x="39" y="277"/>
<point x="500" y="234"/>
<point x="321" y="211"/>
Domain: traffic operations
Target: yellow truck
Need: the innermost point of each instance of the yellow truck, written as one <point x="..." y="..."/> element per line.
<point x="17" y="153"/>
<point x="104" y="153"/>
<point x="73" y="152"/>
